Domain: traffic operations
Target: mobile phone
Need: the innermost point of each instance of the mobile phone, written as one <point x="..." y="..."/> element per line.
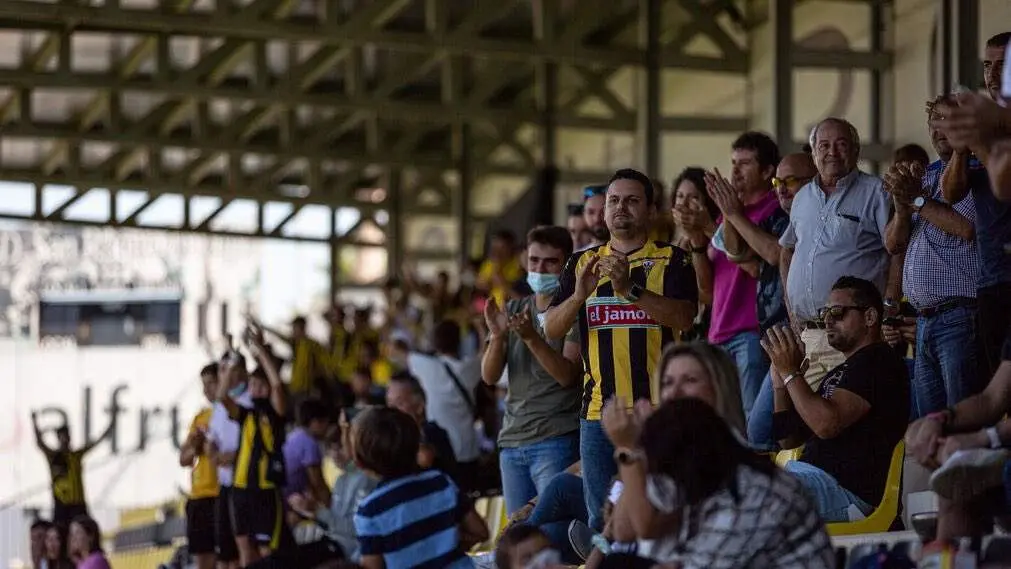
<point x="892" y="321"/>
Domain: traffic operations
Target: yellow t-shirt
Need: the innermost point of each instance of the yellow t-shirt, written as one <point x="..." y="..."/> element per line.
<point x="311" y="361"/>
<point x="204" y="478"/>
<point x="511" y="271"/>
<point x="382" y="371"/>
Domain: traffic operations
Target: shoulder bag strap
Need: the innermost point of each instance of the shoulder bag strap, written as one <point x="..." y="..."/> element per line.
<point x="463" y="391"/>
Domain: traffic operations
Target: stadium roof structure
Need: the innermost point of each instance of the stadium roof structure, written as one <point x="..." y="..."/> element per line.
<point x="391" y="107"/>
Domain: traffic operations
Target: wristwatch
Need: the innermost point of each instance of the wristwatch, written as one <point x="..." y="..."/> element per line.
<point x="626" y="456"/>
<point x="634" y="292"/>
<point x="919" y="202"/>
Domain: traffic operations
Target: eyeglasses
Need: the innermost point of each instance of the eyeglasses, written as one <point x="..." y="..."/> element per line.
<point x="590" y="191"/>
<point x="790" y="182"/>
<point x="838" y="312"/>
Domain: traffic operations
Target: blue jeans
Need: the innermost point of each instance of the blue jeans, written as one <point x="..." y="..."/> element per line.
<point x="760" y="419"/>
<point x="832" y="499"/>
<point x="597" y="454"/>
<point x="527" y="470"/>
<point x="752" y="365"/>
<point x="946" y="366"/>
<point x="557" y="505"/>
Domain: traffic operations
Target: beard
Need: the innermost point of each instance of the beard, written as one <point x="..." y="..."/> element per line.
<point x="601" y="234"/>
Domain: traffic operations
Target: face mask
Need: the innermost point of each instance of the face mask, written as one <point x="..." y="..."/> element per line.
<point x="237" y="391"/>
<point x="545" y="559"/>
<point x="542" y="283"/>
<point x="261" y="403"/>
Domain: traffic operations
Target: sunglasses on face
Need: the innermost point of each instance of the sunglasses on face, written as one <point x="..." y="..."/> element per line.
<point x="790" y="182"/>
<point x="590" y="191"/>
<point x="837" y="312"/>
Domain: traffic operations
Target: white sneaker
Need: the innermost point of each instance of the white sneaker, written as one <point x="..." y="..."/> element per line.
<point x="967" y="474"/>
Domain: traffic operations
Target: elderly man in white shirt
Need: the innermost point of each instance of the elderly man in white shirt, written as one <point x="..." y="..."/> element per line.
<point x="223" y="442"/>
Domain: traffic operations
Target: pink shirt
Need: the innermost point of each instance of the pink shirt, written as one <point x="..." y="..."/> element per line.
<point x="96" y="560"/>
<point x="735" y="293"/>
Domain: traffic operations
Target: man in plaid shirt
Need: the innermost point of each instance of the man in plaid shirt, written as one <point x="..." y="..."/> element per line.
<point x="939" y="277"/>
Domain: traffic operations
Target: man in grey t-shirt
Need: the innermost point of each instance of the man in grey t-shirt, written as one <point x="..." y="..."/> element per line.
<point x="540" y="432"/>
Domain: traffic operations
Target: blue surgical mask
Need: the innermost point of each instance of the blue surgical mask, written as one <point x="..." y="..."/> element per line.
<point x="542" y="283"/>
<point x="237" y="391"/>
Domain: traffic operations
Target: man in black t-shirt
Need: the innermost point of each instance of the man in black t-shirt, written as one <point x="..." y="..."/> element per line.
<point x="850" y="426"/>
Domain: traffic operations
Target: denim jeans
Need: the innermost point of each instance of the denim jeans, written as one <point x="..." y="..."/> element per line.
<point x="746" y="350"/>
<point x="527" y="470"/>
<point x="760" y="419"/>
<point x="832" y="499"/>
<point x="557" y="505"/>
<point x="597" y="454"/>
<point x="946" y="365"/>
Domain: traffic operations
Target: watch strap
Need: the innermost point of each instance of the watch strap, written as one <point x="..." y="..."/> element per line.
<point x="628" y="456"/>
<point x="994" y="436"/>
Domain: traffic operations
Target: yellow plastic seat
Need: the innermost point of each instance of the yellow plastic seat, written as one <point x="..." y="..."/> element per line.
<point x="785" y="456"/>
<point x="493" y="511"/>
<point x="882" y="518"/>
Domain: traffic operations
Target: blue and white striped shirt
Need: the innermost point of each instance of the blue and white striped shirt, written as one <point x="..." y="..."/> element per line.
<point x="939" y="266"/>
<point x="413" y="523"/>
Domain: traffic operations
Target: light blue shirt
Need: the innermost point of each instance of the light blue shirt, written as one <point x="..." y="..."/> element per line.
<point x="835" y="236"/>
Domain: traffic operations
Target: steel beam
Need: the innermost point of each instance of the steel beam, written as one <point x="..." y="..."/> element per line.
<point x="782" y="69"/>
<point x="36" y="15"/>
<point x="413" y="111"/>
<point x="836" y="59"/>
<point x="58" y="215"/>
<point x="650" y="13"/>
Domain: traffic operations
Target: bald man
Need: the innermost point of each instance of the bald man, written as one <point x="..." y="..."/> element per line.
<point x="793" y="172"/>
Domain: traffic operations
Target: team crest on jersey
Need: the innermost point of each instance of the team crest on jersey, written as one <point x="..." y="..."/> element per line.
<point x="647" y="266"/>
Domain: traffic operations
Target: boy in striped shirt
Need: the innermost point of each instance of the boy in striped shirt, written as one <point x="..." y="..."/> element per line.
<point x="413" y="518"/>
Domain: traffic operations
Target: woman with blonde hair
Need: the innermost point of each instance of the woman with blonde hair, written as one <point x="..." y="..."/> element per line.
<point x="692" y="370"/>
<point x="702" y="371"/>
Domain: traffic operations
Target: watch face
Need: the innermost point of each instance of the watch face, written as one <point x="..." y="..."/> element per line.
<point x="918" y="202"/>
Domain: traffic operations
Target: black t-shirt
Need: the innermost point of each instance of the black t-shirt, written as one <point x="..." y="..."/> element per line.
<point x="859" y="457"/>
<point x="437" y="437"/>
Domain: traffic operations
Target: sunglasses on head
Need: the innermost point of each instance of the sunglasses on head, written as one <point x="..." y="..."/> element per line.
<point x="590" y="191"/>
<point x="789" y="182"/>
<point x="838" y="312"/>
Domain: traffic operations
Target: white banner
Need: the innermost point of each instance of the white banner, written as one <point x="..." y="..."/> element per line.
<point x="149" y="395"/>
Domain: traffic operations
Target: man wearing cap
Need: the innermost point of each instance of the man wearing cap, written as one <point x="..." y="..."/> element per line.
<point x="593" y="215"/>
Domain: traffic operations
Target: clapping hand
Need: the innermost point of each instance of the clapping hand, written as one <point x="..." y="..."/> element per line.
<point x="495" y="319"/>
<point x="903" y="181"/>
<point x="623" y="423"/>
<point x="523" y="326"/>
<point x="968" y="120"/>
<point x="785" y="349"/>
<point x="615" y="267"/>
<point x="723" y="193"/>
<point x="588" y="277"/>
<point x="692" y="221"/>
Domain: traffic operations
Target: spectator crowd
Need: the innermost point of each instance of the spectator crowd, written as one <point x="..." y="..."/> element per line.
<point x="625" y="379"/>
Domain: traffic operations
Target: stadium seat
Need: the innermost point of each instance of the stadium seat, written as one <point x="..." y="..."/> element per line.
<point x="148" y="558"/>
<point x="785" y="456"/>
<point x="882" y="518"/>
<point x="493" y="511"/>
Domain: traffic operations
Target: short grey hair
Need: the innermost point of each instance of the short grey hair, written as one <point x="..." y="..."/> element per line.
<point x="854" y="135"/>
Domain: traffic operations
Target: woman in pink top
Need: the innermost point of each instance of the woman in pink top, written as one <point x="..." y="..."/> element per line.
<point x="86" y="544"/>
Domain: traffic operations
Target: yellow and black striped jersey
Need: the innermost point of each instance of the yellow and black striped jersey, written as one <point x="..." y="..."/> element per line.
<point x="67" y="471"/>
<point x="620" y="342"/>
<point x="261" y="437"/>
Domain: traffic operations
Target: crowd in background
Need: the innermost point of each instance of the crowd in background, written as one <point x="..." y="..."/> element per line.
<point x="622" y="379"/>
